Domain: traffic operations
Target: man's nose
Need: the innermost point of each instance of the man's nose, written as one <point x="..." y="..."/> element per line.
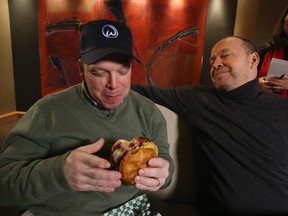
<point x="112" y="81"/>
<point x="217" y="63"/>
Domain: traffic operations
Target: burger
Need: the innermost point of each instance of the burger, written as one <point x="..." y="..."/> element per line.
<point x="129" y="156"/>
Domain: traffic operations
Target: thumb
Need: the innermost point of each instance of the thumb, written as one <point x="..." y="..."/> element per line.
<point x="94" y="147"/>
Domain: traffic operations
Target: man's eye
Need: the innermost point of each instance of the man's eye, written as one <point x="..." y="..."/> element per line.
<point x="123" y="72"/>
<point x="225" y="55"/>
<point x="98" y="73"/>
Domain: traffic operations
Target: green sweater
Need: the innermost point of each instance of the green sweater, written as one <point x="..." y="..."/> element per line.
<point x="32" y="158"/>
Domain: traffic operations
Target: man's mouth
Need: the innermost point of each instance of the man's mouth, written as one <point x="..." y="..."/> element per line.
<point x="112" y="96"/>
<point x="220" y="72"/>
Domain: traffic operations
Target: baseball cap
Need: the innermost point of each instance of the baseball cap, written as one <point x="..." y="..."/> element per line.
<point x="100" y="38"/>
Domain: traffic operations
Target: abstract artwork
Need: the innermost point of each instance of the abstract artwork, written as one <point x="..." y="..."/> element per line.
<point x="168" y="39"/>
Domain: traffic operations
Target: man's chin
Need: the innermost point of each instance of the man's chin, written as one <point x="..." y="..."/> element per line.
<point x="221" y="86"/>
<point x="111" y="105"/>
<point x="225" y="88"/>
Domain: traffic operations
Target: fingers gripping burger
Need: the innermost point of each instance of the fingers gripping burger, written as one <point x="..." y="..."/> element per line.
<point x="129" y="156"/>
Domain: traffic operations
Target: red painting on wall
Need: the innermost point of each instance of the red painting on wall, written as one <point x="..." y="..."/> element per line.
<point x="168" y="39"/>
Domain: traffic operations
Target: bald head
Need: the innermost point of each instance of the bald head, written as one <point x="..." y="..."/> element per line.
<point x="234" y="62"/>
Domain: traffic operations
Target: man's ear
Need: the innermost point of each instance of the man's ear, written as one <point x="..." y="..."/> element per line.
<point x="81" y="68"/>
<point x="255" y="60"/>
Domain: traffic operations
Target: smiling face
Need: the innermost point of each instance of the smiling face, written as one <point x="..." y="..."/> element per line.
<point x="231" y="64"/>
<point x="108" y="80"/>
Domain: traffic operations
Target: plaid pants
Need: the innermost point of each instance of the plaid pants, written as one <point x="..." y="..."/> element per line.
<point x="138" y="206"/>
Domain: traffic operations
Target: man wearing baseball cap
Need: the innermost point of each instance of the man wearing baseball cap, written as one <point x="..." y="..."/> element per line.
<point x="103" y="37"/>
<point x="56" y="161"/>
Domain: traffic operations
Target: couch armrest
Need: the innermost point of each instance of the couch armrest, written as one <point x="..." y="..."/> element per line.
<point x="182" y="187"/>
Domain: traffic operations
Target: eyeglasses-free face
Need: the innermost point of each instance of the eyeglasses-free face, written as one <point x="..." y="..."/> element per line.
<point x="108" y="80"/>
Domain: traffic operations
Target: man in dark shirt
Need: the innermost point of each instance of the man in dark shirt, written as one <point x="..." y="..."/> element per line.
<point x="240" y="133"/>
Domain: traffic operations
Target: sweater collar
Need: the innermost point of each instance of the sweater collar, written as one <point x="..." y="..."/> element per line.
<point x="245" y="92"/>
<point x="87" y="94"/>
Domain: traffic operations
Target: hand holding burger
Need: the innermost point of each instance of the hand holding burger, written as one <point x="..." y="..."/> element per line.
<point x="129" y="156"/>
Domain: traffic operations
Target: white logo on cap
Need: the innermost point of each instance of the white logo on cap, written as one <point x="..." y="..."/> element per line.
<point x="109" y="31"/>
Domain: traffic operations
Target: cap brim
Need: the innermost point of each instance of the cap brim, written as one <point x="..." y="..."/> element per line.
<point x="97" y="54"/>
